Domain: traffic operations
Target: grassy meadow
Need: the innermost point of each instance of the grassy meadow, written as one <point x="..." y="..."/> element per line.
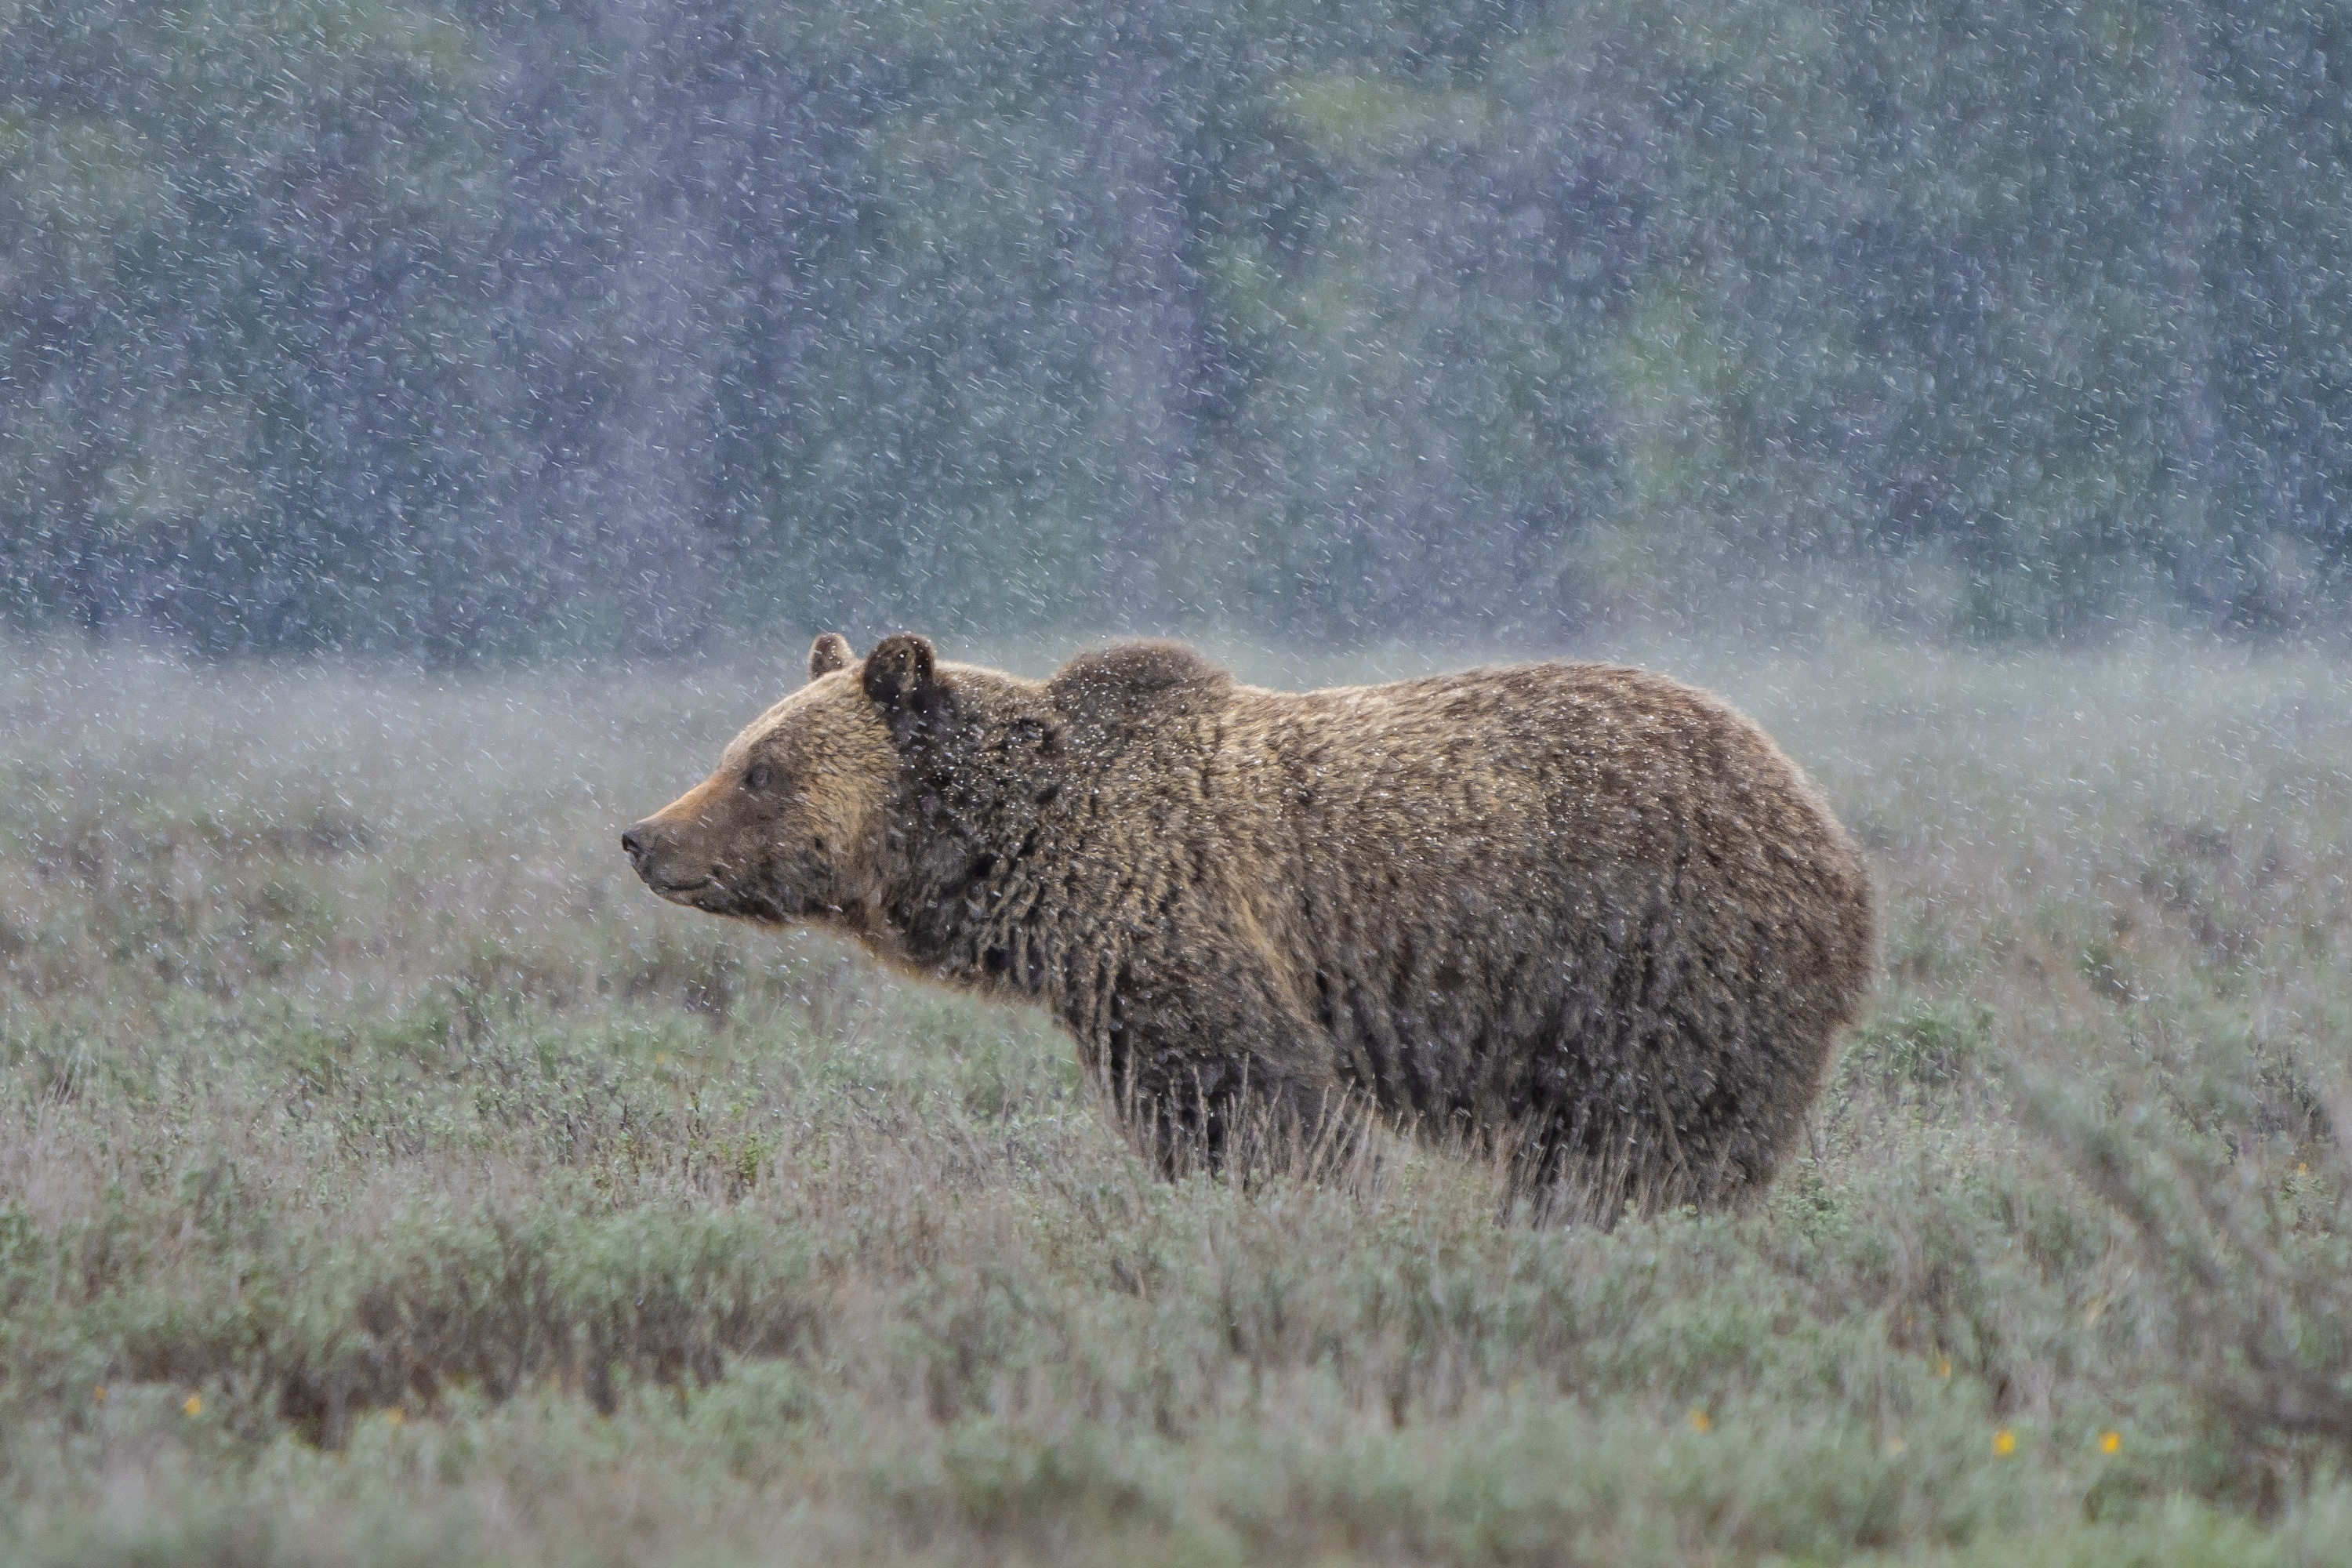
<point x="385" y="1178"/>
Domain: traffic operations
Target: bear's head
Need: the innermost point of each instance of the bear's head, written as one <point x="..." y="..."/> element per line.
<point x="793" y="824"/>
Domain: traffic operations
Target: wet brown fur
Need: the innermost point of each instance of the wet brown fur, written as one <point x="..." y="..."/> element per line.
<point x="1579" y="906"/>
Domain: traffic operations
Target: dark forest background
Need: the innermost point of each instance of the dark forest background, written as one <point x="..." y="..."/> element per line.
<point x="484" y="327"/>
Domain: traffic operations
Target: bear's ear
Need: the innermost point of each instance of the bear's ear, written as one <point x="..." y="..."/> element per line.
<point x="902" y="674"/>
<point x="829" y="653"/>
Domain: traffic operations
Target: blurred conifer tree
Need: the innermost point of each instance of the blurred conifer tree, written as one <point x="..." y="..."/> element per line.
<point x="470" y="327"/>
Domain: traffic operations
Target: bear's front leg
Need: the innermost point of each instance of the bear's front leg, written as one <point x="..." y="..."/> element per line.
<point x="1209" y="1067"/>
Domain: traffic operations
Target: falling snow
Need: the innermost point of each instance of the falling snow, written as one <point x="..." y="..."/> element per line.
<point x="470" y="327"/>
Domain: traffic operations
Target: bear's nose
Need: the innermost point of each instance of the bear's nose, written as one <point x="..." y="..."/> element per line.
<point x="634" y="842"/>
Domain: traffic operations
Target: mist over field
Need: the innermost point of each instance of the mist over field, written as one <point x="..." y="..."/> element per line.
<point x="428" y="432"/>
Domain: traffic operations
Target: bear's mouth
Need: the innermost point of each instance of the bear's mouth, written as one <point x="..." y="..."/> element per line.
<point x="722" y="890"/>
<point x="681" y="892"/>
<point x="713" y="895"/>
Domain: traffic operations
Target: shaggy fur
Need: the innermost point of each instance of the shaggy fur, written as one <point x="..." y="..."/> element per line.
<point x="1578" y="907"/>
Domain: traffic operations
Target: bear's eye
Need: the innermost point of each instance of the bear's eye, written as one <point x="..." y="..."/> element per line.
<point x="760" y="777"/>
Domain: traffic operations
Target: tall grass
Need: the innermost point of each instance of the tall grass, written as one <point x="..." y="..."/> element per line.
<point x="385" y="1178"/>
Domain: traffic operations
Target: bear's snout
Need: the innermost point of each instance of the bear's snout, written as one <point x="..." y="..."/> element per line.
<point x="651" y="852"/>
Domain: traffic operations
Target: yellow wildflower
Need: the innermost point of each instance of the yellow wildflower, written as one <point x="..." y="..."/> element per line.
<point x="1943" y="1367"/>
<point x="2004" y="1443"/>
<point x="396" y="1415"/>
<point x="2111" y="1441"/>
<point x="99" y="1394"/>
<point x="1700" y="1421"/>
<point x="196" y="1404"/>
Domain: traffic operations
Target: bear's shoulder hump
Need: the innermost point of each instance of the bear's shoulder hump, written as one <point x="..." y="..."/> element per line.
<point x="1131" y="672"/>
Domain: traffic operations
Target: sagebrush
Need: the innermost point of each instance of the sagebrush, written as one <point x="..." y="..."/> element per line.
<point x="384" y="1178"/>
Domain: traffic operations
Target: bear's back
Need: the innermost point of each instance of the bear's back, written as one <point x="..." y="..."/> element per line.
<point x="1511" y="757"/>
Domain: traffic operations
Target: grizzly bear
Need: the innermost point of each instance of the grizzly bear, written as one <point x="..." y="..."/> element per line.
<point x="1578" y="911"/>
